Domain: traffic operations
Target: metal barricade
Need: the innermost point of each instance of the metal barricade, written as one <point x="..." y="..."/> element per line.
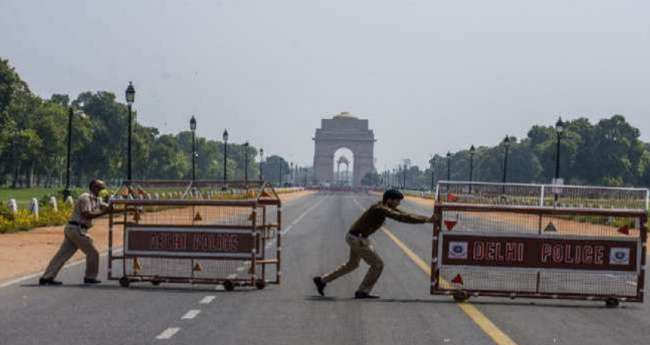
<point x="203" y="232"/>
<point x="586" y="243"/>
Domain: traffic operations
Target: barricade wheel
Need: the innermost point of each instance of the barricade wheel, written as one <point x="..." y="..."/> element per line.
<point x="228" y="285"/>
<point x="124" y="282"/>
<point x="461" y="296"/>
<point x="611" y="302"/>
<point x="260" y="284"/>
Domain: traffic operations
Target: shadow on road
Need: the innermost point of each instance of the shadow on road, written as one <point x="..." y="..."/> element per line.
<point x="161" y="289"/>
<point x="592" y="305"/>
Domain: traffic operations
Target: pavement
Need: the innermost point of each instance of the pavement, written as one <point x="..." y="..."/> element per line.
<point x="293" y="313"/>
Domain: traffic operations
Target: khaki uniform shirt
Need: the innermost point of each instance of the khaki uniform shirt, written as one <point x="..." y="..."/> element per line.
<point x="371" y="220"/>
<point x="85" y="203"/>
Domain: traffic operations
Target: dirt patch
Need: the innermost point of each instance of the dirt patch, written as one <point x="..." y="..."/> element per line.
<point x="28" y="252"/>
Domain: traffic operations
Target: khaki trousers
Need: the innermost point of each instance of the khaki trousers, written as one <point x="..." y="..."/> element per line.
<point x="360" y="248"/>
<point x="74" y="239"/>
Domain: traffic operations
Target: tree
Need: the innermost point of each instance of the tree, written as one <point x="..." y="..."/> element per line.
<point x="371" y="179"/>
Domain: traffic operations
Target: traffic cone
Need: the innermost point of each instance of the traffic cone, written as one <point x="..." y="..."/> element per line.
<point x="198" y="217"/>
<point x="197" y="267"/>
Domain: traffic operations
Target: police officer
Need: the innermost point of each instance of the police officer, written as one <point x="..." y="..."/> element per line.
<point x="87" y="207"/>
<point x="357" y="238"/>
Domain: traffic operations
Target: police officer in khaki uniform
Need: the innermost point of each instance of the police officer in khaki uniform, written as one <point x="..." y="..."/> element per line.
<point x="357" y="238"/>
<point x="86" y="208"/>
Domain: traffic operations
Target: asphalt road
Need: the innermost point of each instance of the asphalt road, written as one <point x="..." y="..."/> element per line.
<point x="292" y="313"/>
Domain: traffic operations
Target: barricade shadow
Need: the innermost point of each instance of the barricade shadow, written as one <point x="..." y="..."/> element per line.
<point x="538" y="304"/>
<point x="135" y="287"/>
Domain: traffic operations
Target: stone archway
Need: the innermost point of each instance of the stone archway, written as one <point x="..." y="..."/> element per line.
<point x="343" y="131"/>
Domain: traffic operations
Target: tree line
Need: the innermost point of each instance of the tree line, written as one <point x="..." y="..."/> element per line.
<point x="33" y="142"/>
<point x="607" y="153"/>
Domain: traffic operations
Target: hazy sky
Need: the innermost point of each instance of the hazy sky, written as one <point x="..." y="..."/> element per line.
<point x="430" y="76"/>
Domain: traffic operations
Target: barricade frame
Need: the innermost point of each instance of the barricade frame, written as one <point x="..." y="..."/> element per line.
<point x="439" y="286"/>
<point x="257" y="197"/>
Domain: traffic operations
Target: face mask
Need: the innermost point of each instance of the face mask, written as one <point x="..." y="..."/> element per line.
<point x="104" y="194"/>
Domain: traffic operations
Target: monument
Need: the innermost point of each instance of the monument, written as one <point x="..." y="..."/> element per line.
<point x="343" y="131"/>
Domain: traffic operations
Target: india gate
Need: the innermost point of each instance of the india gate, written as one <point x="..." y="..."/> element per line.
<point x="343" y="131"/>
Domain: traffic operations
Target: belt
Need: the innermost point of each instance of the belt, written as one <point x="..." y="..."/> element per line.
<point x="83" y="226"/>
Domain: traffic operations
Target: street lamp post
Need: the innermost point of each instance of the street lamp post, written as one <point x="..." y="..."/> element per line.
<point x="225" y="156"/>
<point x="404" y="177"/>
<point x="261" y="162"/>
<point x="472" y="150"/>
<point x="291" y="173"/>
<point x="246" y="162"/>
<point x="559" y="128"/>
<point x="66" y="191"/>
<point x="130" y="98"/>
<point x="193" y="128"/>
<point x="506" y="144"/>
<point x="448" y="166"/>
<point x="432" y="176"/>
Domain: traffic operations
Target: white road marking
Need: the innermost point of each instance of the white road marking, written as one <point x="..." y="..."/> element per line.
<point x="168" y="333"/>
<point x="232" y="276"/>
<point x="240" y="268"/>
<point x="207" y="299"/>
<point x="629" y="282"/>
<point x="219" y="288"/>
<point x="38" y="274"/>
<point x="288" y="228"/>
<point x="190" y="314"/>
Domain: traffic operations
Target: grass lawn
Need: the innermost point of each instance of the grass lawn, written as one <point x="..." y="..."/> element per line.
<point x="24" y="195"/>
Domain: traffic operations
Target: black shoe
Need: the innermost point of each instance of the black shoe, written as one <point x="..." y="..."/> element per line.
<point x="91" y="281"/>
<point x="48" y="281"/>
<point x="320" y="285"/>
<point x="363" y="295"/>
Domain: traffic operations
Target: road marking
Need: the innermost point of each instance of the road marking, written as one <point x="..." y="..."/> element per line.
<point x="207" y="299"/>
<point x="240" y="268"/>
<point x="219" y="288"/>
<point x="190" y="314"/>
<point x="168" y="333"/>
<point x="497" y="335"/>
<point x="288" y="228"/>
<point x="232" y="276"/>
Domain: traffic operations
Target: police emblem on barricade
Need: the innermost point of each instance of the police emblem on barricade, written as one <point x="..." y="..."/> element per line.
<point x="457" y="250"/>
<point x="619" y="256"/>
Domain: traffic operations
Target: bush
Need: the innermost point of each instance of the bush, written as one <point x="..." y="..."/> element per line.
<point x="23" y="220"/>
